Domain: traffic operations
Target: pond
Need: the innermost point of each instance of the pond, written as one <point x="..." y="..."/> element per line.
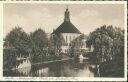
<point x="68" y="68"/>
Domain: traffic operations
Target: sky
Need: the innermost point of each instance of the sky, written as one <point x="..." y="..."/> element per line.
<point x="86" y="17"/>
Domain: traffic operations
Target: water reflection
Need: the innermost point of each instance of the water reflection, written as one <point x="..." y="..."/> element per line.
<point x="70" y="68"/>
<point x="24" y="71"/>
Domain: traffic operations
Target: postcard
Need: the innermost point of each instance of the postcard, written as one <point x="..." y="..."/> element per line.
<point x="63" y="41"/>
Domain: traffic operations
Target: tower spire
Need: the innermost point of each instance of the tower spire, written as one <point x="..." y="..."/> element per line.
<point x="67" y="15"/>
<point x="67" y="6"/>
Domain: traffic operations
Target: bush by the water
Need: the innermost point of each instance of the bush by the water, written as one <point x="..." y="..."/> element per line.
<point x="108" y="44"/>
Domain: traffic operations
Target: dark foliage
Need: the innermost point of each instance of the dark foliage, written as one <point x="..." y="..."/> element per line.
<point x="108" y="44"/>
<point x="38" y="45"/>
<point x="76" y="45"/>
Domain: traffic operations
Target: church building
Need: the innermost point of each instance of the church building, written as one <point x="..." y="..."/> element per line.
<point x="67" y="30"/>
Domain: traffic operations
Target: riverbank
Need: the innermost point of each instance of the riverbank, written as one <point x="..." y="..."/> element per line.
<point x="45" y="62"/>
<point x="112" y="69"/>
<point x="66" y="68"/>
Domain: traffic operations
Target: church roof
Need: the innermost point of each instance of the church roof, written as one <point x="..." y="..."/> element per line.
<point x="66" y="27"/>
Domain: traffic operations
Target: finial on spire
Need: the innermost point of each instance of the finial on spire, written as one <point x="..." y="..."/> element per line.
<point x="67" y="14"/>
<point x="67" y="7"/>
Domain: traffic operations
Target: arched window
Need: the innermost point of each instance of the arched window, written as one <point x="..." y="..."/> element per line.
<point x="70" y="38"/>
<point x="73" y="37"/>
<point x="66" y="39"/>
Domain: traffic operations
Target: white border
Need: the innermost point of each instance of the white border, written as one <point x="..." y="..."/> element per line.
<point x="1" y="40"/>
<point x="61" y="78"/>
<point x="69" y="2"/>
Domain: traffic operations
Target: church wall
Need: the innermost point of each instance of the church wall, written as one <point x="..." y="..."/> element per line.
<point x="68" y="37"/>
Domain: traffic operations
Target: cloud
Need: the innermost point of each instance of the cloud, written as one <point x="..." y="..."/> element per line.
<point x="88" y="20"/>
<point x="48" y="17"/>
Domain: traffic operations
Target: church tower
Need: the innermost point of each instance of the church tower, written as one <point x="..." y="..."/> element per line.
<point x="67" y="30"/>
<point x="66" y="26"/>
<point x="67" y="15"/>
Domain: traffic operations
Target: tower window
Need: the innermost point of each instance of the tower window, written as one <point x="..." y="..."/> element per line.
<point x="66" y="39"/>
<point x="70" y="38"/>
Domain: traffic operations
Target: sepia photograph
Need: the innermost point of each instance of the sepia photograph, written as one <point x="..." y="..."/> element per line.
<point x="64" y="40"/>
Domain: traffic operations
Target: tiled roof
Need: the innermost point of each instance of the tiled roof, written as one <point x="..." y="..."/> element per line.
<point x="66" y="27"/>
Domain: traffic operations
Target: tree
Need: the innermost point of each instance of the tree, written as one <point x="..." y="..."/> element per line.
<point x="76" y="45"/>
<point x="38" y="44"/>
<point x="108" y="43"/>
<point x="55" y="43"/>
<point x="15" y="44"/>
<point x="18" y="40"/>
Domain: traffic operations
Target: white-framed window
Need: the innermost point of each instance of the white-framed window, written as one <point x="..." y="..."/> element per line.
<point x="70" y="38"/>
<point x="66" y="39"/>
